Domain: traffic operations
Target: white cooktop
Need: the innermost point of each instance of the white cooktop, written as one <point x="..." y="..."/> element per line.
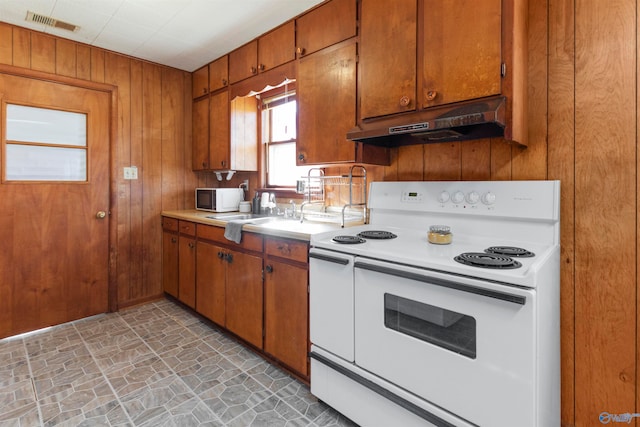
<point x="481" y="214"/>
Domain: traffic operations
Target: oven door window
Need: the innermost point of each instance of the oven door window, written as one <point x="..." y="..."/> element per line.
<point x="445" y="328"/>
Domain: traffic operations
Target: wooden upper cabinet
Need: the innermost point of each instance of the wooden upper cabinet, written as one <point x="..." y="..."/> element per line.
<point x="200" y="82"/>
<point x="388" y="35"/>
<point x="219" y="73"/>
<point x="200" y="134"/>
<point x="326" y="25"/>
<point x="243" y="62"/>
<point x="219" y="131"/>
<point x="462" y="50"/>
<point x="277" y="47"/>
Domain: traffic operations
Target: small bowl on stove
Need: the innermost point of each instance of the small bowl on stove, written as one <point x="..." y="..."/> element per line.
<point x="440" y="235"/>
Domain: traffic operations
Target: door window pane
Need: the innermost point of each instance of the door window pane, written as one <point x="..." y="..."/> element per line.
<point x="45" y="145"/>
<point x="445" y="328"/>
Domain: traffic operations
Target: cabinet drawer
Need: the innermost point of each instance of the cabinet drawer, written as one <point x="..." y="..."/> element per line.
<point x="187" y="227"/>
<point x="169" y="224"/>
<point x="291" y="249"/>
<point x="250" y="241"/>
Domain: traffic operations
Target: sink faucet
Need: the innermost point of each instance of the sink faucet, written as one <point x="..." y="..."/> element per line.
<point x="293" y="208"/>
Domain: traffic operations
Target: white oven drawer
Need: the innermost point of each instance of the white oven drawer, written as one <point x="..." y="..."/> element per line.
<point x="331" y="319"/>
<point x="465" y="345"/>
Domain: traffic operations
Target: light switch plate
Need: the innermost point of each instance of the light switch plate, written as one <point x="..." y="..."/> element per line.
<point x="131" y="172"/>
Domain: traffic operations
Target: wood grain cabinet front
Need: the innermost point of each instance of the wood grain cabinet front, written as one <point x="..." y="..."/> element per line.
<point x="211" y="140"/>
<point x="178" y="259"/>
<point x="170" y="256"/>
<point x="326" y="25"/>
<point x="286" y="303"/>
<point x="229" y="282"/>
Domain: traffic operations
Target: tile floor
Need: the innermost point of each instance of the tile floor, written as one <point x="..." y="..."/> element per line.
<point x="152" y="365"/>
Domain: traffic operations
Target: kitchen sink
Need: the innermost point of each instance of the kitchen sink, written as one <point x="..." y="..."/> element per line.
<point x="248" y="217"/>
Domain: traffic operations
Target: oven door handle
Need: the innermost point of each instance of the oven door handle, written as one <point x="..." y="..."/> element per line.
<point x="329" y="258"/>
<point x="504" y="296"/>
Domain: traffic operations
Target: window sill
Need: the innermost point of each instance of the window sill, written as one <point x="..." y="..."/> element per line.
<point x="281" y="193"/>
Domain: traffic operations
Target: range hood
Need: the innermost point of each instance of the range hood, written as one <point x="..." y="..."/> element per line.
<point x="483" y="118"/>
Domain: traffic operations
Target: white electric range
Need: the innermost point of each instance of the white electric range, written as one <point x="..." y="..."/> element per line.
<point x="408" y="332"/>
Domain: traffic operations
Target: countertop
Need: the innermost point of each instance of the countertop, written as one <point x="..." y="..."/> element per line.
<point x="274" y="226"/>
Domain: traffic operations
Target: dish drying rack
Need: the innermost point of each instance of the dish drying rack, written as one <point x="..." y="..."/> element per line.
<point x="315" y="186"/>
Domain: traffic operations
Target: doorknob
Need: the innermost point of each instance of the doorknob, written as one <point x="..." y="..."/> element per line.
<point x="101" y="214"/>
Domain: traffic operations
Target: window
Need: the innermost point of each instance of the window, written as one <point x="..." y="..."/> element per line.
<point x="279" y="134"/>
<point x="45" y="145"/>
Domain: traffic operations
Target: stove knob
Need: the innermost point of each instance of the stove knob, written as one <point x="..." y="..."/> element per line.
<point x="473" y="197"/>
<point x="488" y="198"/>
<point x="444" y="197"/>
<point x="458" y="197"/>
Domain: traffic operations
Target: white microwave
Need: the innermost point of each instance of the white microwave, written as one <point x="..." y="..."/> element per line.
<point x="218" y="199"/>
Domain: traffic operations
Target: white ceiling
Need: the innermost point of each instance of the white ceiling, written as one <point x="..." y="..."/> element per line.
<point x="184" y="34"/>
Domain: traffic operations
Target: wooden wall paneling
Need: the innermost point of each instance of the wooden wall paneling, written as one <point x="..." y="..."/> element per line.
<point x="118" y="73"/>
<point x="500" y="159"/>
<point x="43" y="53"/>
<point x="561" y="161"/>
<point x="83" y="62"/>
<point x="442" y="162"/>
<point x="21" y="47"/>
<point x="531" y="162"/>
<point x="475" y="160"/>
<point x="7" y="260"/>
<point x="605" y="199"/>
<point x="137" y="186"/>
<point x="97" y="65"/>
<point x="6" y="44"/>
<point x="152" y="180"/>
<point x="410" y="162"/>
<point x="66" y="58"/>
<point x="172" y="122"/>
<point x="391" y="171"/>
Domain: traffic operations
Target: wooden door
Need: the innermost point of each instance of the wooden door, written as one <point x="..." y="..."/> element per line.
<point x="462" y="50"/>
<point x="388" y="33"/>
<point x="277" y="47"/>
<point x="329" y="24"/>
<point x="244" y="296"/>
<point x="55" y="257"/>
<point x="286" y="314"/>
<point x="210" y="281"/>
<point x="326" y="105"/>
<point x="219" y="131"/>
<point x="187" y="270"/>
<point x="200" y="137"/>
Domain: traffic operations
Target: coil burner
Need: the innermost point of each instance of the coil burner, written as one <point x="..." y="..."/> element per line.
<point x="348" y="240"/>
<point x="376" y="234"/>
<point x="485" y="260"/>
<point x="510" y="251"/>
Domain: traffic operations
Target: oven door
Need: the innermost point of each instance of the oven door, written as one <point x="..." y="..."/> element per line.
<point x="463" y="344"/>
<point x="331" y="315"/>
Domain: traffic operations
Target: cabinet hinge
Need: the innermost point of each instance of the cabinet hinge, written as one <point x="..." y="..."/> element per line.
<point x="503" y="69"/>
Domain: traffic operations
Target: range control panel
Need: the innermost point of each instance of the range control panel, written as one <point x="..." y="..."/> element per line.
<point x="525" y="199"/>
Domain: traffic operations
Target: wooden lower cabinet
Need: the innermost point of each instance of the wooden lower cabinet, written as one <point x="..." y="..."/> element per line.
<point x="226" y="282"/>
<point x="244" y="296"/>
<point x="211" y="282"/>
<point x="286" y="303"/>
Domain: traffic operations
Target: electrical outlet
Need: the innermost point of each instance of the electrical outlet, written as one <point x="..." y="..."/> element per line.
<point x="131" y="172"/>
<point x="245" y="185"/>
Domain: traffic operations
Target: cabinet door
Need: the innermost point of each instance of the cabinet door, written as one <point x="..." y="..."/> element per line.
<point x="329" y="24"/>
<point x="243" y="62"/>
<point x="219" y="131"/>
<point x="388" y="32"/>
<point x="187" y="270"/>
<point x="170" y="263"/>
<point x="219" y="73"/>
<point x="286" y="314"/>
<point x="200" y="82"/>
<point x="462" y="50"/>
<point x="243" y="142"/>
<point x="326" y="105"/>
<point x="210" y="282"/>
<point x="277" y="47"/>
<point x="200" y="137"/>
<point x="244" y="296"/>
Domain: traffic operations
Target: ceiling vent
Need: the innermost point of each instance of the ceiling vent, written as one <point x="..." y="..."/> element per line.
<point x="51" y="22"/>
